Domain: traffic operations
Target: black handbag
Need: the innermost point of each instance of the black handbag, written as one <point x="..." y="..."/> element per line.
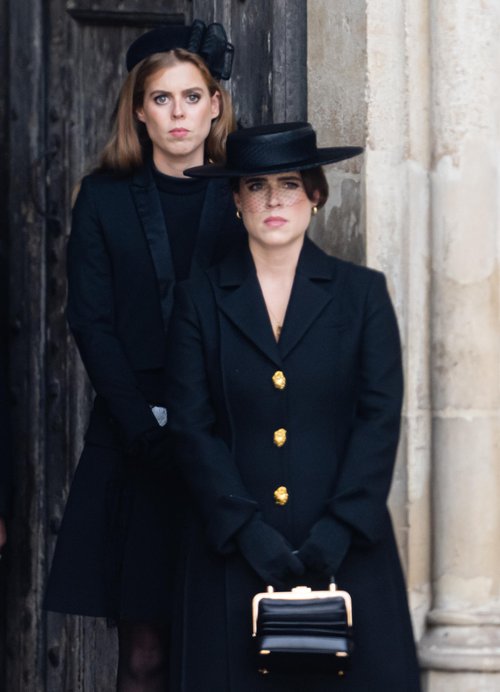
<point x="303" y="630"/>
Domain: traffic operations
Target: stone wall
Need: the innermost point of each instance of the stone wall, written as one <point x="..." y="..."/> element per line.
<point x="417" y="81"/>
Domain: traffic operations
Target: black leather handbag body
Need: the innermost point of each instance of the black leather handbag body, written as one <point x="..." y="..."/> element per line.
<point x="303" y="630"/>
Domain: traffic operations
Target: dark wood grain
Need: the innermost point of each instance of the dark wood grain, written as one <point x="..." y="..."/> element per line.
<point x="27" y="234"/>
<point x="66" y="66"/>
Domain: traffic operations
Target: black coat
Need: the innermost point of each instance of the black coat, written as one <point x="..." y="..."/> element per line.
<point x="120" y="289"/>
<point x="112" y="556"/>
<point x="339" y="351"/>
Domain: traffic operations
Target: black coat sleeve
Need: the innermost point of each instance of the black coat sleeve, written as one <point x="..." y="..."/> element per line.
<point x="365" y="480"/>
<point x="91" y="302"/>
<point x="202" y="454"/>
<point x="357" y="508"/>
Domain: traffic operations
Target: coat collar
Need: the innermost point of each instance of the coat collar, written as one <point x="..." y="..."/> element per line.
<point x="148" y="205"/>
<point x="313" y="263"/>
<point x="241" y="299"/>
<point x="309" y="295"/>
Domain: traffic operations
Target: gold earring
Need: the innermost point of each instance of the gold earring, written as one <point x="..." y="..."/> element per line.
<point x="238" y="214"/>
<point x="314" y="210"/>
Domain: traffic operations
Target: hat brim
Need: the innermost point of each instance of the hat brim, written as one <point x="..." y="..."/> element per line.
<point x="323" y="157"/>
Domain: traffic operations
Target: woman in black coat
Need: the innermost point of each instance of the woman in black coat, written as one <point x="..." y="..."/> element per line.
<point x="138" y="226"/>
<point x="285" y="402"/>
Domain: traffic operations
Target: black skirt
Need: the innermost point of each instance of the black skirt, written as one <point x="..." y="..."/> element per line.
<point x="116" y="548"/>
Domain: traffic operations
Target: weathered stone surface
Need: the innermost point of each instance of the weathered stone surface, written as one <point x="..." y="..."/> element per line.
<point x="336" y="108"/>
<point x="338" y="226"/>
<point x="428" y="205"/>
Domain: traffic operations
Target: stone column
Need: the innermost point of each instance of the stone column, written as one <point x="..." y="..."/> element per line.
<point x="461" y="649"/>
<point x="419" y="80"/>
<point x="368" y="72"/>
<point x="398" y="243"/>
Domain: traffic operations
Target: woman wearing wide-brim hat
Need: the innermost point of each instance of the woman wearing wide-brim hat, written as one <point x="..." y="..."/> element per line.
<point x="285" y="405"/>
<point x="138" y="226"/>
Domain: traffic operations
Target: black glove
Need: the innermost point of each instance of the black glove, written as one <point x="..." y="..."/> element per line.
<point x="326" y="546"/>
<point x="268" y="553"/>
<point x="152" y="447"/>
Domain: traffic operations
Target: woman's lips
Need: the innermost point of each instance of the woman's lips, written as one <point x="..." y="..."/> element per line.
<point x="275" y="221"/>
<point x="178" y="132"/>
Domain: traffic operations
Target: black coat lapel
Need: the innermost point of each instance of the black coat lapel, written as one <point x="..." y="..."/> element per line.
<point x="148" y="206"/>
<point x="240" y="298"/>
<point x="311" y="293"/>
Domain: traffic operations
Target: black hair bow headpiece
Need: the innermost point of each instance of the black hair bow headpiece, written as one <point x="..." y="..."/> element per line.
<point x="210" y="42"/>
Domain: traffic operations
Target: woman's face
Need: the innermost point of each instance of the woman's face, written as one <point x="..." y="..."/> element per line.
<point x="275" y="208"/>
<point x="178" y="111"/>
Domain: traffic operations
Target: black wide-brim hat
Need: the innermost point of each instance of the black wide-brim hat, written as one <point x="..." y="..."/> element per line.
<point x="273" y="149"/>
<point x="210" y="42"/>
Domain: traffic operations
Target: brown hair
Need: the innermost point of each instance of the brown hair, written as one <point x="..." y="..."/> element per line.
<point x="125" y="148"/>
<point x="314" y="180"/>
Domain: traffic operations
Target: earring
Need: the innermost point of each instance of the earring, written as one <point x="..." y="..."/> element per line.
<point x="238" y="214"/>
<point x="314" y="210"/>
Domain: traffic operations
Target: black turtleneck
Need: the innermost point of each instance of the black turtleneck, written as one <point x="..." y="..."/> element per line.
<point x="181" y="201"/>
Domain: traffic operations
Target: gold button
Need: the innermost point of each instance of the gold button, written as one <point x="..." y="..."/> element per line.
<point x="281" y="495"/>
<point x="279" y="437"/>
<point x="279" y="379"/>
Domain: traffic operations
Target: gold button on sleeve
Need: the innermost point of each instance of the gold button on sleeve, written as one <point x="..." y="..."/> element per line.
<point x="281" y="495"/>
<point x="279" y="379"/>
<point x="279" y="437"/>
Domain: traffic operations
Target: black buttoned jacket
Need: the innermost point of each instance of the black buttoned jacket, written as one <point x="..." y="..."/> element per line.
<point x="339" y="351"/>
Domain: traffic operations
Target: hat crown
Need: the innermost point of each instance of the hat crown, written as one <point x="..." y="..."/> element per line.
<point x="270" y="149"/>
<point x="279" y="145"/>
<point x="210" y="42"/>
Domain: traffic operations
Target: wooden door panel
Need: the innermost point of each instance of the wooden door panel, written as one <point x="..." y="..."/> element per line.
<point x="135" y="12"/>
<point x="66" y="67"/>
<point x="269" y="75"/>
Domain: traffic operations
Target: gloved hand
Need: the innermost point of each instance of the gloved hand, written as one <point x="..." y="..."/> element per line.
<point x="152" y="447"/>
<point x="326" y="546"/>
<point x="268" y="553"/>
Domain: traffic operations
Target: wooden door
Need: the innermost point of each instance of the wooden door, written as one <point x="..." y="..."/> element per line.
<point x="66" y="65"/>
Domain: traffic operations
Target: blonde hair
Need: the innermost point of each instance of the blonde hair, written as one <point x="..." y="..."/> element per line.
<point x="124" y="150"/>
